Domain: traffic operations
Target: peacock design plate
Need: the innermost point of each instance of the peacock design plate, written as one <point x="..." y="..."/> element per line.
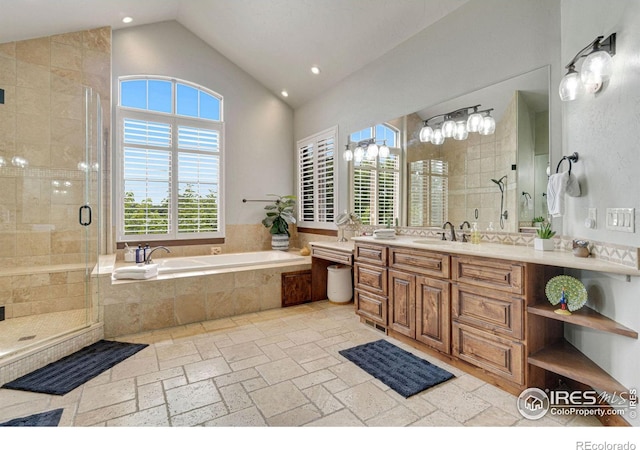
<point x="574" y="291"/>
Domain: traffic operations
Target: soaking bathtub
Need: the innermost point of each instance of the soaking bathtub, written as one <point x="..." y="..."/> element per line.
<point x="223" y="261"/>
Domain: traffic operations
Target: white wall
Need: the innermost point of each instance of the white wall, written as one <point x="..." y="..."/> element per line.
<point x="486" y="41"/>
<point x="258" y="125"/>
<point x="604" y="130"/>
<point x="479" y="44"/>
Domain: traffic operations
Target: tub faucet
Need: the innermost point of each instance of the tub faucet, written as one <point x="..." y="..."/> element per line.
<point x="148" y="260"/>
<point x="453" y="231"/>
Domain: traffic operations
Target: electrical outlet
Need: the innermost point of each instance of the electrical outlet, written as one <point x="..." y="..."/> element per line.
<point x="216" y="250"/>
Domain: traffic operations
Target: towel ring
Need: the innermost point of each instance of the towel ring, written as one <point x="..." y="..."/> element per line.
<point x="573" y="158"/>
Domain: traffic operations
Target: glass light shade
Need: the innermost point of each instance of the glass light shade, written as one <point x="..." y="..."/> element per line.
<point x="383" y="151"/>
<point x="474" y="121"/>
<point x="461" y="133"/>
<point x="438" y="137"/>
<point x="448" y="127"/>
<point x="596" y="69"/>
<point x="3" y="162"/>
<point x="358" y="154"/>
<point x="425" y="133"/>
<point x="488" y="126"/>
<point x="348" y="155"/>
<point x="570" y="86"/>
<point x="372" y="151"/>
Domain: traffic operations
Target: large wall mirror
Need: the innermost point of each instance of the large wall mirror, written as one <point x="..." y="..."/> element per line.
<point x="498" y="180"/>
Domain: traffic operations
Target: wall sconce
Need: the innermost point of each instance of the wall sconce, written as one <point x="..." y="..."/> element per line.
<point x="595" y="71"/>
<point x="365" y="149"/>
<point x="457" y="125"/>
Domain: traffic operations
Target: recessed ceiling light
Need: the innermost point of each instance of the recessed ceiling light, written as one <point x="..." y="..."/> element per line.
<point x="315" y="70"/>
<point x="127" y="19"/>
<point x="284" y="93"/>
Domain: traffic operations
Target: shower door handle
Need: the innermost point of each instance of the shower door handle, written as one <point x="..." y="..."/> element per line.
<point x="81" y="219"/>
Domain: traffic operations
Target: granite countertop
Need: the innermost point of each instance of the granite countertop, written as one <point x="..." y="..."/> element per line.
<point x="347" y="246"/>
<point x="519" y="253"/>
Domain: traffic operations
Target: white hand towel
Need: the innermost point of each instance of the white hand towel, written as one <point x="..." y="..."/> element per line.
<point x="555" y="193"/>
<point x="142" y="272"/>
<point x="573" y="186"/>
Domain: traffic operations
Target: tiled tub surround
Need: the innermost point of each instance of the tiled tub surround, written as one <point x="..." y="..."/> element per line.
<point x="132" y="306"/>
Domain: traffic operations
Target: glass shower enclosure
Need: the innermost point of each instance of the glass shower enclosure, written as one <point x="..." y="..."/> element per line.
<point x="50" y="226"/>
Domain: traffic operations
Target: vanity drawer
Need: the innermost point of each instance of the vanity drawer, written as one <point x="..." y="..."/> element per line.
<point x="490" y="273"/>
<point x="492" y="353"/>
<point x="373" y="254"/>
<point x="489" y="309"/>
<point x="419" y="261"/>
<point x="371" y="306"/>
<point x="332" y="255"/>
<point x="370" y="278"/>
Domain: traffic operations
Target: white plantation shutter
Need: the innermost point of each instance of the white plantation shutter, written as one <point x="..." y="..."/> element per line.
<point x="429" y="191"/>
<point x="316" y="179"/>
<point x="376" y="189"/>
<point x="170" y="180"/>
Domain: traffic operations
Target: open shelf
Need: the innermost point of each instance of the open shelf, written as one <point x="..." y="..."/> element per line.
<point x="585" y="317"/>
<point x="566" y="360"/>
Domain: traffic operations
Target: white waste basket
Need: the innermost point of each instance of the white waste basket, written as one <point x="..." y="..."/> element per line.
<point x="339" y="285"/>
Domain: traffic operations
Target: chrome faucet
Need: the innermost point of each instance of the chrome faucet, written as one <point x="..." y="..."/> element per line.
<point x="464" y="235"/>
<point x="453" y="231"/>
<point x="148" y="259"/>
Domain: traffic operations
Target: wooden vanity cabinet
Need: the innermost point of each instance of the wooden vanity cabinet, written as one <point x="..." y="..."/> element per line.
<point x="419" y="304"/>
<point x="370" y="283"/>
<point x="488" y="315"/>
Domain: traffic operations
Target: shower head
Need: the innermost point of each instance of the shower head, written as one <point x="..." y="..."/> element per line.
<point x="500" y="182"/>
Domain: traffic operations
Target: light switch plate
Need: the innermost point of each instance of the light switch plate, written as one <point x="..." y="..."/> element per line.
<point x="621" y="219"/>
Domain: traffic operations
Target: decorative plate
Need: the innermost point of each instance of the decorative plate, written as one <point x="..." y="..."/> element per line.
<point x="574" y="291"/>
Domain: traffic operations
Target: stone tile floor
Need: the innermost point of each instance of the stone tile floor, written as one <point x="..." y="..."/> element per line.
<point x="276" y="368"/>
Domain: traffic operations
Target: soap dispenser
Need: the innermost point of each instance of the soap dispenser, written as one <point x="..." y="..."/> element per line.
<point x="475" y="234"/>
<point x="129" y="254"/>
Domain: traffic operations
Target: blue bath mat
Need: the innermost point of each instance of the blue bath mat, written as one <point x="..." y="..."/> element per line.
<point x="45" y="419"/>
<point x="402" y="371"/>
<point x="66" y="374"/>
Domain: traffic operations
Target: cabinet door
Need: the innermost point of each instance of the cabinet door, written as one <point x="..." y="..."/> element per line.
<point x="371" y="306"/>
<point x="490" y="273"/>
<point x="370" y="278"/>
<point x="489" y="352"/>
<point x="433" y="302"/>
<point x="296" y="287"/>
<point x="490" y="309"/>
<point x="402" y="303"/>
<point x="372" y="254"/>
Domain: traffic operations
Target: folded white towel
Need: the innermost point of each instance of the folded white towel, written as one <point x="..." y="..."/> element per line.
<point x="384" y="233"/>
<point x="141" y="272"/>
<point x="555" y="193"/>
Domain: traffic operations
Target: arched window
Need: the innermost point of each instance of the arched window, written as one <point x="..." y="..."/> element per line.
<point x="170" y="159"/>
<point x="375" y="182"/>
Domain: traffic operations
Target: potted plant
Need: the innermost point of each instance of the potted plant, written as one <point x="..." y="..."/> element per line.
<point x="537" y="221"/>
<point x="279" y="216"/>
<point x="544" y="241"/>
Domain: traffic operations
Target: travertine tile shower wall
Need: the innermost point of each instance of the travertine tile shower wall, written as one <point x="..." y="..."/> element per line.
<point x="43" y="121"/>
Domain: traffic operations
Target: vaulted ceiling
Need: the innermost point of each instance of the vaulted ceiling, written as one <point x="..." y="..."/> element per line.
<point x="276" y="41"/>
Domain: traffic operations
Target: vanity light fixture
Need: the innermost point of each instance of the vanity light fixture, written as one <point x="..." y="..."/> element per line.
<point x="365" y="149"/>
<point x="458" y="124"/>
<point x="595" y="71"/>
